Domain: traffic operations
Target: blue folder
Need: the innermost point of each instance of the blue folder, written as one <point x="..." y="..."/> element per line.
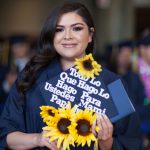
<point x="121" y="100"/>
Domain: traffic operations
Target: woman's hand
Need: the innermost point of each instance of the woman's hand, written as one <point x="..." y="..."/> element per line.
<point x="44" y="141"/>
<point x="105" y="126"/>
<point x="105" y="132"/>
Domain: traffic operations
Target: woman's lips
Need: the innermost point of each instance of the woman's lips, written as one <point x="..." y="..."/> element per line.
<point x="69" y="45"/>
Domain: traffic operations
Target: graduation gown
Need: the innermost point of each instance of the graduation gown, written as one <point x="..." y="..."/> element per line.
<point x="26" y="117"/>
<point x="135" y="91"/>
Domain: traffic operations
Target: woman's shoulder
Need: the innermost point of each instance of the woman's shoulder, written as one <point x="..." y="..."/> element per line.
<point x="108" y="76"/>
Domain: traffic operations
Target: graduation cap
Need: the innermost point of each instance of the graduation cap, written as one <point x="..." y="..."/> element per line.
<point x="145" y="41"/>
<point x="18" y="39"/>
<point x="126" y="43"/>
<point x="84" y="93"/>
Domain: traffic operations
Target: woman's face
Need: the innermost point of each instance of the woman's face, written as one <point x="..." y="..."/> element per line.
<point x="124" y="57"/>
<point x="72" y="36"/>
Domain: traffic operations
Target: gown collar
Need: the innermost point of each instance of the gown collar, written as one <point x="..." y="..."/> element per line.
<point x="52" y="70"/>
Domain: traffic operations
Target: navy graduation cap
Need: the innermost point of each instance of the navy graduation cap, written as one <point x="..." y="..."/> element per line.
<point x="69" y="86"/>
<point x="16" y="39"/>
<point x="145" y="41"/>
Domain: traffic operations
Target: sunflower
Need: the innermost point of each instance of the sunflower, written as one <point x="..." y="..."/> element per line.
<point x="48" y="113"/>
<point x="83" y="129"/>
<point x="60" y="130"/>
<point x="87" y="66"/>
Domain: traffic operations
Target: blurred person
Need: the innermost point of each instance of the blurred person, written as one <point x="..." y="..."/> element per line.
<point x="122" y="65"/>
<point x="143" y="46"/>
<point x="19" y="51"/>
<point x="135" y="86"/>
<point x="144" y="63"/>
<point x="68" y="33"/>
<point x="107" y="55"/>
<point x="5" y="87"/>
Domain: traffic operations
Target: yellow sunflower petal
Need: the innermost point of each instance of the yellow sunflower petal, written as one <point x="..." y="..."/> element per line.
<point x="59" y="129"/>
<point x="66" y="145"/>
<point x="96" y="145"/>
<point x="82" y="136"/>
<point x="97" y="128"/>
<point x="87" y="66"/>
<point x="59" y="142"/>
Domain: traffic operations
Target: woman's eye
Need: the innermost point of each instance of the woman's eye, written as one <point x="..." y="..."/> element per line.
<point x="59" y="29"/>
<point x="77" y="28"/>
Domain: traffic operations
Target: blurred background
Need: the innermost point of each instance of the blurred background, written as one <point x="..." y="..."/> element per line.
<point x="115" y="20"/>
<point x="123" y="44"/>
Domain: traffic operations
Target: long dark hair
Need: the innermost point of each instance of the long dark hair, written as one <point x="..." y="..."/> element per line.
<point x="46" y="48"/>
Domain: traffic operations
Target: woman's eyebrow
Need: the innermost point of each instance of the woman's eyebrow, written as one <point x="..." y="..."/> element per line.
<point x="71" y="25"/>
<point x="77" y="24"/>
<point x="59" y="26"/>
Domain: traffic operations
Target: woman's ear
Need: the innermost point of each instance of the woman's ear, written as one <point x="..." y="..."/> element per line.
<point x="91" y="34"/>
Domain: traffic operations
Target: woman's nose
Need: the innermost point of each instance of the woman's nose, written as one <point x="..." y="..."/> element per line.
<point x="68" y="35"/>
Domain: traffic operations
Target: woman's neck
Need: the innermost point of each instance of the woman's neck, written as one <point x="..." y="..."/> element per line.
<point x="66" y="64"/>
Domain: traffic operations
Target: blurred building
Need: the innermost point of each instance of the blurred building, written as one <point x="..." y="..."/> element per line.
<point x="115" y="20"/>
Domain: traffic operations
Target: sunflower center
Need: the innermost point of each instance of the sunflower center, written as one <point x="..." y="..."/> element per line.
<point x="88" y="64"/>
<point x="63" y="125"/>
<point x="83" y="127"/>
<point x="51" y="113"/>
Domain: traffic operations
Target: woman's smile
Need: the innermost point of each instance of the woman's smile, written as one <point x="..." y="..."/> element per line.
<point x="69" y="45"/>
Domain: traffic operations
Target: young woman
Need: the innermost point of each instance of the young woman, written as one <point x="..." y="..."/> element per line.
<point x="68" y="34"/>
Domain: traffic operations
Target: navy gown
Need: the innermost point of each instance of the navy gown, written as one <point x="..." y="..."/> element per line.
<point x="25" y="117"/>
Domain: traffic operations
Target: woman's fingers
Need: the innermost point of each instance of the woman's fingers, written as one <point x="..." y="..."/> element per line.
<point x="54" y="145"/>
<point x="46" y="142"/>
<point x="106" y="127"/>
<point x="109" y="125"/>
<point x="48" y="145"/>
